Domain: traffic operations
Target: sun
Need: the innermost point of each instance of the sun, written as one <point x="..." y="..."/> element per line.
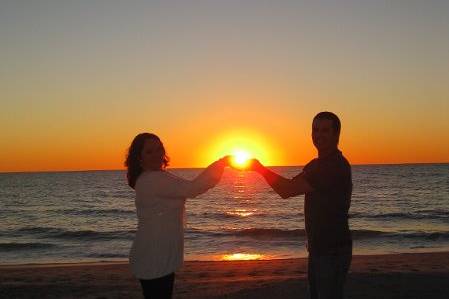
<point x="243" y="145"/>
<point x="242" y="257"/>
<point x="240" y="158"/>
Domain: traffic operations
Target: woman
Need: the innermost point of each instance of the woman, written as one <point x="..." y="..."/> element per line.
<point x="158" y="248"/>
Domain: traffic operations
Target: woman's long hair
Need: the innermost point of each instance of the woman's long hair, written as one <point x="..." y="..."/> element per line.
<point x="133" y="158"/>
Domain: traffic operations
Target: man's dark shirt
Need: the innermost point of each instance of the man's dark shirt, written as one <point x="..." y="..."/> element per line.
<point x="326" y="208"/>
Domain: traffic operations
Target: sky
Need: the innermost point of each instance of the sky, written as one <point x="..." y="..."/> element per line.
<point x="79" y="79"/>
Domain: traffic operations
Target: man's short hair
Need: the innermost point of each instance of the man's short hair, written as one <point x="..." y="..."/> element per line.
<point x="332" y="117"/>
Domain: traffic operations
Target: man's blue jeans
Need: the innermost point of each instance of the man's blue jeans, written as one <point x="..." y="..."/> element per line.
<point x="327" y="274"/>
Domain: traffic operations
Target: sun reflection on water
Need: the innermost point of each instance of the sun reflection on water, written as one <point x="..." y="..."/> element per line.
<point x="240" y="212"/>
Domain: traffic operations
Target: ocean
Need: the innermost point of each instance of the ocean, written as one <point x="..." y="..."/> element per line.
<point x="90" y="216"/>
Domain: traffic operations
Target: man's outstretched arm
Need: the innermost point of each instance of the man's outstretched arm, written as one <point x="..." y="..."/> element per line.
<point x="284" y="187"/>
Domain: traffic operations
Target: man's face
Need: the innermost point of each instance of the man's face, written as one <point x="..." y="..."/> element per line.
<point x="323" y="134"/>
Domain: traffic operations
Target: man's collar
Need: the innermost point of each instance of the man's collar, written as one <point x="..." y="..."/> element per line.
<point x="330" y="154"/>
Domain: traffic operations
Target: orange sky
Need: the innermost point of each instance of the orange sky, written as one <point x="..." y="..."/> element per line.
<point x="76" y="88"/>
<point x="274" y="139"/>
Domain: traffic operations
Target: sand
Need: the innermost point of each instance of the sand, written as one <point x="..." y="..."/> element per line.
<point x="417" y="275"/>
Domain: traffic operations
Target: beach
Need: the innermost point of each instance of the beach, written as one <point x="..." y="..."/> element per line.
<point x="84" y="223"/>
<point x="410" y="275"/>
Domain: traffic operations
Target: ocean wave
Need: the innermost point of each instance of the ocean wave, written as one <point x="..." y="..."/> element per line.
<point x="229" y="214"/>
<point x="268" y="233"/>
<point x="296" y="233"/>
<point x="249" y="232"/>
<point x="59" y="233"/>
<point x="434" y="212"/>
<point x="273" y="233"/>
<point x="418" y="215"/>
<point x="263" y="233"/>
<point x="367" y="234"/>
<point x="255" y="233"/>
<point x="108" y="255"/>
<point x="24" y="246"/>
<point x="430" y="236"/>
<point x="94" y="212"/>
<point x="239" y="214"/>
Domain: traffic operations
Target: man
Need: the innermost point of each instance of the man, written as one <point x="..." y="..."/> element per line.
<point x="327" y="184"/>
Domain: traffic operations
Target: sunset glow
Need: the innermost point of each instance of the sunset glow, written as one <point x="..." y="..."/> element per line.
<point x="242" y="257"/>
<point x="242" y="145"/>
<point x="240" y="159"/>
<point x="85" y="86"/>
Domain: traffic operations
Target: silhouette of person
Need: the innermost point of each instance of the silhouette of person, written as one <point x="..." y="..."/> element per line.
<point x="158" y="247"/>
<point x="326" y="182"/>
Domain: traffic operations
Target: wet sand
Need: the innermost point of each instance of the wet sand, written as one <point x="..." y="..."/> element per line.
<point x="417" y="275"/>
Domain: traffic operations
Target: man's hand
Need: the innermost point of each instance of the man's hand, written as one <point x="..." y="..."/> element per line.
<point x="251" y="164"/>
<point x="254" y="165"/>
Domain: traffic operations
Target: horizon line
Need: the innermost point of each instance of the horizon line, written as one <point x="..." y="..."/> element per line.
<point x="123" y="169"/>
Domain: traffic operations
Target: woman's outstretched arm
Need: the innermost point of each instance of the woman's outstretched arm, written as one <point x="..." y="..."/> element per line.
<point x="168" y="185"/>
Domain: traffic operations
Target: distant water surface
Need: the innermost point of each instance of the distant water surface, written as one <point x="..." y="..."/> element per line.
<point x="90" y="216"/>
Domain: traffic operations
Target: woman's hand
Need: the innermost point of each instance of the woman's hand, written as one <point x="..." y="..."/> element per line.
<point x="226" y="160"/>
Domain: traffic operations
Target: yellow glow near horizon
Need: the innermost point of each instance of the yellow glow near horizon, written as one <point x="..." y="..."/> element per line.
<point x="242" y="145"/>
<point x="240" y="159"/>
<point x="242" y="257"/>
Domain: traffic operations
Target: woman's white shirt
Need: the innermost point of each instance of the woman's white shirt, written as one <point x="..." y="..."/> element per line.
<point x="158" y="247"/>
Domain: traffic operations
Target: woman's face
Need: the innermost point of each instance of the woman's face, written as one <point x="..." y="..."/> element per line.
<point x="152" y="155"/>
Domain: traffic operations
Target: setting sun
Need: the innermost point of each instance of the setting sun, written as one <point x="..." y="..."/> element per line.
<point x="243" y="145"/>
<point x="242" y="257"/>
<point x="240" y="158"/>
